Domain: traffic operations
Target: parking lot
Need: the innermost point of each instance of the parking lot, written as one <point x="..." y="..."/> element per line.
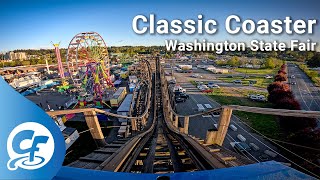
<point x="199" y="125"/>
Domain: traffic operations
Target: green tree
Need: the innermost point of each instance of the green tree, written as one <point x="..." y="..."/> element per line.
<point x="309" y="55"/>
<point x="270" y="63"/>
<point x="117" y="50"/>
<point x="255" y="62"/>
<point x="274" y="54"/>
<point x="234" y="61"/>
<point x="314" y="61"/>
<point x="167" y="56"/>
<point x="25" y="63"/>
<point x="212" y="57"/>
<point x="313" y="74"/>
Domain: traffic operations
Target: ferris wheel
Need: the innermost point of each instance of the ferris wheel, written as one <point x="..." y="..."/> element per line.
<point x="88" y="63"/>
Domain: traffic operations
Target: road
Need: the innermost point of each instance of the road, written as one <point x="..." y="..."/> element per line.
<point x="198" y="126"/>
<point x="304" y="90"/>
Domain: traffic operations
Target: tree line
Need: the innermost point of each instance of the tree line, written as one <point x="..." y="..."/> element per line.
<point x="265" y="63"/>
<point x="300" y="130"/>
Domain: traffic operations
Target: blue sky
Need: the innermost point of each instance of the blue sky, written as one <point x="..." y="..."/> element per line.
<point x="34" y="24"/>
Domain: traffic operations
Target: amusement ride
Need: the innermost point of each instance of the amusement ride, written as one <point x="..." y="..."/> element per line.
<point x="89" y="67"/>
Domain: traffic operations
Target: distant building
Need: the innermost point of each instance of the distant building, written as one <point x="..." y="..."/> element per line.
<point x="33" y="57"/>
<point x="2" y="56"/>
<point x="15" y="56"/>
<point x="117" y="54"/>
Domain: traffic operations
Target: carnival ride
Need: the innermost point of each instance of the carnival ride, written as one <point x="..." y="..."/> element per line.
<point x="64" y="83"/>
<point x="89" y="67"/>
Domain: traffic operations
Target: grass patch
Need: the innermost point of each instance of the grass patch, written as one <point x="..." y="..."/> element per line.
<point x="236" y="96"/>
<point x="193" y="83"/>
<point x="261" y="82"/>
<point x="266" y="124"/>
<point x="256" y="71"/>
<point x="312" y="74"/>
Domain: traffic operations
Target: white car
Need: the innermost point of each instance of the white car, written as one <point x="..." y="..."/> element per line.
<point x="241" y="138"/>
<point x="195" y="75"/>
<point x="233" y="127"/>
<point x="257" y="97"/>
<point x="254" y="146"/>
<point x="202" y="87"/>
<point x="268" y="77"/>
<point x="213" y="86"/>
<point x="199" y="82"/>
<point x="179" y="89"/>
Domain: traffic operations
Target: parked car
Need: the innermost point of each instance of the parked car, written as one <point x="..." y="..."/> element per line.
<point x="254" y="146"/>
<point x="179" y="99"/>
<point x="198" y="82"/>
<point x="241" y="138"/>
<point x="216" y="114"/>
<point x="179" y="89"/>
<point x="270" y="153"/>
<point x="207" y="91"/>
<point x="242" y="147"/>
<point x="293" y="83"/>
<point x="177" y="93"/>
<point x="292" y="76"/>
<point x="203" y="87"/>
<point x="194" y="75"/>
<point x="213" y="86"/>
<point x="264" y="157"/>
<point x="268" y="77"/>
<point x="233" y="127"/>
<point x="237" y="81"/>
<point x="184" y="95"/>
<point x="257" y="97"/>
<point x="172" y="81"/>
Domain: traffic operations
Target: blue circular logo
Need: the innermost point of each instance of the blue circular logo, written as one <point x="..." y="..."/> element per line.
<point x="32" y="145"/>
